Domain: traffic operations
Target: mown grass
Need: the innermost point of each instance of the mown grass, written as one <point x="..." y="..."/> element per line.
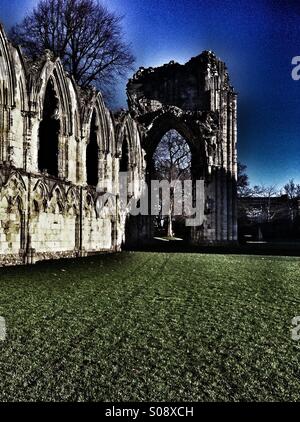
<point x="151" y="327"/>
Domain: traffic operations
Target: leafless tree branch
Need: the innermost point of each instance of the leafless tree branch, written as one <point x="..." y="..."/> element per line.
<point x="84" y="34"/>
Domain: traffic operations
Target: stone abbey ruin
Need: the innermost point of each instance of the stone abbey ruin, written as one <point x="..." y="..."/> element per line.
<point x="59" y="142"/>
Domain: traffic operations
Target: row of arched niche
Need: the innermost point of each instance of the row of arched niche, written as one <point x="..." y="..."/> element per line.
<point x="49" y="125"/>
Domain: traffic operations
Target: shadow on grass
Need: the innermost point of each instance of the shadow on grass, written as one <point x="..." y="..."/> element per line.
<point x="250" y="248"/>
<point x="105" y="260"/>
<point x="157" y="245"/>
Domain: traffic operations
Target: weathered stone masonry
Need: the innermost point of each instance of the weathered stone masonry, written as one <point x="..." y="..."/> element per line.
<point x="198" y="101"/>
<point x="53" y="137"/>
<point x="58" y="142"/>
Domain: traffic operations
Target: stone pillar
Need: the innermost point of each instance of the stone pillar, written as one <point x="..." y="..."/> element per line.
<point x="224" y="134"/>
<point x="78" y="228"/>
<point x="210" y="208"/>
<point x="234" y="167"/>
<point x="219" y="204"/>
<point x="4" y="131"/>
<point x="61" y="156"/>
<point x="29" y="252"/>
<point x="229" y="174"/>
<point x="81" y="223"/>
<point x="66" y="154"/>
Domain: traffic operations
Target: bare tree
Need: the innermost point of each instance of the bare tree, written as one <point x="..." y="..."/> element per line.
<point x="83" y="33"/>
<point x="292" y="190"/>
<point x="243" y="184"/>
<point x="172" y="160"/>
<point x="266" y="213"/>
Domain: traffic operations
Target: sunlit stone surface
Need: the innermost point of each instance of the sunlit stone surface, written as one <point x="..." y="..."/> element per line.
<point x="58" y="142"/>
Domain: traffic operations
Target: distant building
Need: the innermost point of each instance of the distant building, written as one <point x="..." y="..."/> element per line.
<point x="267" y="218"/>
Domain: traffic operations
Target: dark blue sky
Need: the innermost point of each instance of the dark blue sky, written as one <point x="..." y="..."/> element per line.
<point x="257" y="39"/>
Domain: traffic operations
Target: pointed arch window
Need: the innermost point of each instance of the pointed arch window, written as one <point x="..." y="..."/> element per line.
<point x="49" y="132"/>
<point x="92" y="154"/>
<point x="124" y="161"/>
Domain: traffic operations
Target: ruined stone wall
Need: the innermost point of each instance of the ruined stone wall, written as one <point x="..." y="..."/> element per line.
<point x="47" y="208"/>
<point x="198" y="101"/>
<point x="61" y="150"/>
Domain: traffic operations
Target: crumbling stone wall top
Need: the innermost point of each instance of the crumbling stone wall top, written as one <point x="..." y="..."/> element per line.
<point x="185" y="86"/>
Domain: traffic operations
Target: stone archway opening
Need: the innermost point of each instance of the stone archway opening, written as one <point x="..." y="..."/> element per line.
<point x="198" y="100"/>
<point x="172" y="163"/>
<point x="125" y="179"/>
<point x="160" y="224"/>
<point x="126" y="176"/>
<point x="183" y="140"/>
<point x="49" y="132"/>
<point x="124" y="160"/>
<point x="92" y="153"/>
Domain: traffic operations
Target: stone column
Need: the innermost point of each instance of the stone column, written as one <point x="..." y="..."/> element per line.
<point x="234" y="166"/>
<point x="219" y="204"/>
<point x="224" y="167"/>
<point x="4" y="130"/>
<point x="229" y="174"/>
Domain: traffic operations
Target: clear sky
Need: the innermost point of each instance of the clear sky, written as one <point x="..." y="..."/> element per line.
<point x="257" y="39"/>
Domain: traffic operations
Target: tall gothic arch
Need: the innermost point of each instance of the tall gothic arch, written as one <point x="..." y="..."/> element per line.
<point x="198" y="101"/>
<point x="49" y="132"/>
<point x="92" y="153"/>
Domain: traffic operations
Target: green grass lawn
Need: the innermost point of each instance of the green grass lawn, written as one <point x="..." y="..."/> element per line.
<point x="151" y="327"/>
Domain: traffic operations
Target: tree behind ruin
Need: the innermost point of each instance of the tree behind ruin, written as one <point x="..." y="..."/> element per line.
<point x="84" y="34"/>
<point x="172" y="160"/>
